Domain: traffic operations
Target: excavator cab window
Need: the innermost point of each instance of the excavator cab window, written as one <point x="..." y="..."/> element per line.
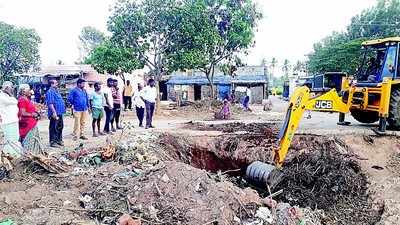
<point x="388" y="69"/>
<point x="371" y="65"/>
<point x="378" y="62"/>
<point x="327" y="81"/>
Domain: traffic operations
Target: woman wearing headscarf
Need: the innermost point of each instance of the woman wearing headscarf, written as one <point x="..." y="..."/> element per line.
<point x="9" y="120"/>
<point x="28" y="117"/>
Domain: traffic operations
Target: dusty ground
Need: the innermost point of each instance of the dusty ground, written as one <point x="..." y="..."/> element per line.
<point x="188" y="170"/>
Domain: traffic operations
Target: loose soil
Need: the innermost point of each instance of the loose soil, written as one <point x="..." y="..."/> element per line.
<point x="171" y="179"/>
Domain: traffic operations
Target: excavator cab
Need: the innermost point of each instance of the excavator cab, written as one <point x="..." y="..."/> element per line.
<point x="380" y="60"/>
<point x="328" y="81"/>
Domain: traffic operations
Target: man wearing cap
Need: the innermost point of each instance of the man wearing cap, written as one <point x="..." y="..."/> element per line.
<point x="9" y="120"/>
<point x="79" y="100"/>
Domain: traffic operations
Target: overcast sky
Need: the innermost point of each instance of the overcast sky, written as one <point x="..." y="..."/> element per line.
<point x="288" y="30"/>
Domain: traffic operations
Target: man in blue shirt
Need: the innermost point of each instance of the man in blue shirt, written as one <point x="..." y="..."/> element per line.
<point x="80" y="103"/>
<point x="56" y="109"/>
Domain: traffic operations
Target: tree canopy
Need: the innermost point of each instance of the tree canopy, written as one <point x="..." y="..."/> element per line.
<point x="89" y="39"/>
<point x="211" y="33"/>
<point x="170" y="35"/>
<point x="147" y="28"/>
<point x="19" y="50"/>
<point x="341" y="51"/>
<point x="109" y="58"/>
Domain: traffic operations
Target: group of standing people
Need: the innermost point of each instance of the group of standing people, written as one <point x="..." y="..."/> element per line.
<point x="108" y="101"/>
<point x="19" y="117"/>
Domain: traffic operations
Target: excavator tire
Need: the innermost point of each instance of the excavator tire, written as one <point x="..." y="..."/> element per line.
<point x="365" y="116"/>
<point x="394" y="109"/>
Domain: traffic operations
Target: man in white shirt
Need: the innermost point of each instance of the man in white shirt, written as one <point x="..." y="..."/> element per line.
<point x="149" y="96"/>
<point x="248" y="93"/>
<point x="9" y="120"/>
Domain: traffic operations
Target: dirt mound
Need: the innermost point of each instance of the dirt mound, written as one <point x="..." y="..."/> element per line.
<point x="233" y="152"/>
<point x="259" y="128"/>
<point x="204" y="109"/>
<point x="327" y="180"/>
<point x="171" y="193"/>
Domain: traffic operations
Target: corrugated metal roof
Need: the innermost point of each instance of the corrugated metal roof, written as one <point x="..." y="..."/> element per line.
<point x="218" y="80"/>
<point x="249" y="79"/>
<point x="201" y="80"/>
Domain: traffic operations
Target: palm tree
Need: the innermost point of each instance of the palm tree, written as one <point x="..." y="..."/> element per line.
<point x="299" y="66"/>
<point x="285" y="68"/>
<point x="272" y="64"/>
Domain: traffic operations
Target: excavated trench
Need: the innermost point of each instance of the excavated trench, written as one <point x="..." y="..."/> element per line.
<point x="317" y="173"/>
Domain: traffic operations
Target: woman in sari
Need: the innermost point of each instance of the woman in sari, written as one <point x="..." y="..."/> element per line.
<point x="28" y="117"/>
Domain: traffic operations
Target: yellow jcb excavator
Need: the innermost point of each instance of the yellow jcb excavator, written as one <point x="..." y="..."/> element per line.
<point x="372" y="95"/>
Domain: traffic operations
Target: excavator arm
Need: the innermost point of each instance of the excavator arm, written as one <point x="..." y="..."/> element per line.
<point x="301" y="100"/>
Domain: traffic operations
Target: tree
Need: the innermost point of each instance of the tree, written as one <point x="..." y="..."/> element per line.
<point x="230" y="65"/>
<point x="211" y="32"/>
<point x="148" y="28"/>
<point x="299" y="66"/>
<point x="19" y="50"/>
<point x="89" y="39"/>
<point x="382" y="20"/>
<point x="285" y="69"/>
<point x="264" y="62"/>
<point x="341" y="51"/>
<point x="108" y="58"/>
<point x="338" y="56"/>
<point x="272" y="65"/>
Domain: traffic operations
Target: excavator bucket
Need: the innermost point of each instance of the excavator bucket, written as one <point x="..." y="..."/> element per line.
<point x="263" y="174"/>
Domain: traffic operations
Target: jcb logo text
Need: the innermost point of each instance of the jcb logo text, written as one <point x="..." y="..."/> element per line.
<point x="323" y="104"/>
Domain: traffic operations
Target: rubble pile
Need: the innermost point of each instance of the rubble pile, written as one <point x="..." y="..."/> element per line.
<point x="169" y="193"/>
<point x="153" y="178"/>
<point x="393" y="163"/>
<point x="138" y="148"/>
<point x="176" y="193"/>
<point x="327" y="180"/>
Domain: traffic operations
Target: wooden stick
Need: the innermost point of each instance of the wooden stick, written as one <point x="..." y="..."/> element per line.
<point x="275" y="194"/>
<point x="228" y="171"/>
<point x="211" y="222"/>
<point x="158" y="189"/>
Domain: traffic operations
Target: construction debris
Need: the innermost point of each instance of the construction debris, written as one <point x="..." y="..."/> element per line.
<point x="50" y="164"/>
<point x="151" y="178"/>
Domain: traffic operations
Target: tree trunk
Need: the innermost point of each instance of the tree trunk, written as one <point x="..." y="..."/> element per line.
<point x="211" y="83"/>
<point x="122" y="77"/>
<point x="158" y="102"/>
<point x="210" y="78"/>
